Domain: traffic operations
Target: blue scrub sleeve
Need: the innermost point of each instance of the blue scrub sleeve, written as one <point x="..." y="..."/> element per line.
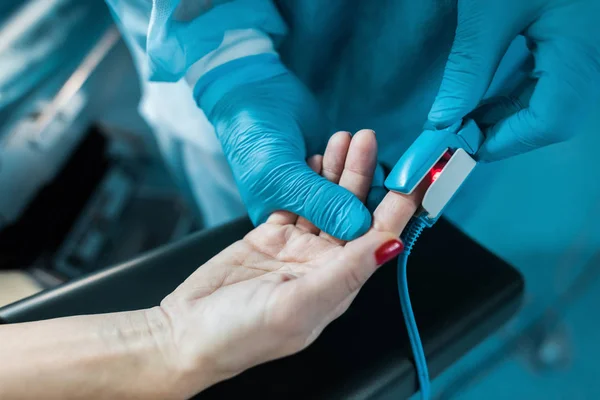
<point x="181" y="32"/>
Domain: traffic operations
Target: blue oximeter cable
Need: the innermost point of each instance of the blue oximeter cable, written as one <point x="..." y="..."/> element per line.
<point x="456" y="145"/>
<point x="409" y="238"/>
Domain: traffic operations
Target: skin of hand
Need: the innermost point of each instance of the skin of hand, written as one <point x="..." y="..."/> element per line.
<point x="264" y="297"/>
<point x="271" y="294"/>
<point x="564" y="89"/>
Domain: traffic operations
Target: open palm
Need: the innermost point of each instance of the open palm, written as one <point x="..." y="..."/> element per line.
<point x="272" y="293"/>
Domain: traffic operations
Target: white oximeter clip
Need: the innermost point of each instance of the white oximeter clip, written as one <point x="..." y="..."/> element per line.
<point x="444" y="157"/>
<point x="446" y="183"/>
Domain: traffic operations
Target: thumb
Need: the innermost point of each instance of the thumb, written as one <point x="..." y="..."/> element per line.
<point x="479" y="44"/>
<point x="332" y="208"/>
<point x="331" y="285"/>
<point x="495" y="112"/>
<point x="329" y="207"/>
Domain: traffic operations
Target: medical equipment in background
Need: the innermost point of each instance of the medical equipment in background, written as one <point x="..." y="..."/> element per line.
<point x="39" y="39"/>
<point x="444" y="160"/>
<point x="48" y="52"/>
<point x="77" y="186"/>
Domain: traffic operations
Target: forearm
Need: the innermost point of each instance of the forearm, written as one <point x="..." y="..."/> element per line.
<point x="119" y="355"/>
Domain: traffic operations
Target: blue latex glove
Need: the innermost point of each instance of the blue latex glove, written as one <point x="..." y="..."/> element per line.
<point x="266" y="121"/>
<point x="378" y="190"/>
<point x="267" y="128"/>
<point x="564" y="37"/>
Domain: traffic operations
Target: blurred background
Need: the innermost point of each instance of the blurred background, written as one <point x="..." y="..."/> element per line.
<point x="83" y="186"/>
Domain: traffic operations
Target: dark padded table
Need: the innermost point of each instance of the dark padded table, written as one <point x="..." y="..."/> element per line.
<point x="461" y="294"/>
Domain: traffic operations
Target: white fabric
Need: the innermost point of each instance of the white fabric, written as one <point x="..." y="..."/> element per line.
<point x="184" y="136"/>
<point x="236" y="44"/>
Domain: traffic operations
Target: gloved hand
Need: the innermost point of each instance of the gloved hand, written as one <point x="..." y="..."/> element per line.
<point x="267" y="129"/>
<point x="272" y="294"/>
<point x="378" y="190"/>
<point x="564" y="36"/>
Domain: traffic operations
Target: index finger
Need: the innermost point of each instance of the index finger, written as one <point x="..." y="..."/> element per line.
<point x="396" y="209"/>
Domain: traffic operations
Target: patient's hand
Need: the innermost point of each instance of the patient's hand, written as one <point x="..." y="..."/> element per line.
<point x="272" y="293"/>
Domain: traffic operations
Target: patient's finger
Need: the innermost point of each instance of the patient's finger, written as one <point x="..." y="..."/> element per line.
<point x="360" y="164"/>
<point x="335" y="156"/>
<point x="359" y="167"/>
<point x="316" y="164"/>
<point x="396" y="209"/>
<point x="282" y="218"/>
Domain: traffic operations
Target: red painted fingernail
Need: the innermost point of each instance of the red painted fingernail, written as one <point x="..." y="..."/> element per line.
<point x="388" y="250"/>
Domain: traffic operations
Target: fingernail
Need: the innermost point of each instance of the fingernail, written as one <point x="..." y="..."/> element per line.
<point x="388" y="250"/>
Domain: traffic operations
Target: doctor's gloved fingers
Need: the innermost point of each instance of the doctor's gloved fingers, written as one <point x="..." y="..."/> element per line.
<point x="316" y="164"/>
<point x="357" y="169"/>
<point x="378" y="190"/>
<point x="286" y="217"/>
<point x="560" y="104"/>
<point x="481" y="40"/>
<point x="520" y="133"/>
<point x="332" y="165"/>
<point x="348" y="161"/>
<point x="331" y="208"/>
<point x="495" y="109"/>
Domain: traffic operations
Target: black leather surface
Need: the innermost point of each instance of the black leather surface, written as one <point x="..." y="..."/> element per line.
<point x="461" y="293"/>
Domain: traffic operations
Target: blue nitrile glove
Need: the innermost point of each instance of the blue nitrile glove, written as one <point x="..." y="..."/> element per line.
<point x="564" y="37"/>
<point x="267" y="127"/>
<point x="378" y="190"/>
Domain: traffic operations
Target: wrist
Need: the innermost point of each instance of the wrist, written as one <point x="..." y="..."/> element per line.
<point x="141" y="338"/>
<point x="228" y="77"/>
<point x="186" y="372"/>
<point x="117" y="355"/>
